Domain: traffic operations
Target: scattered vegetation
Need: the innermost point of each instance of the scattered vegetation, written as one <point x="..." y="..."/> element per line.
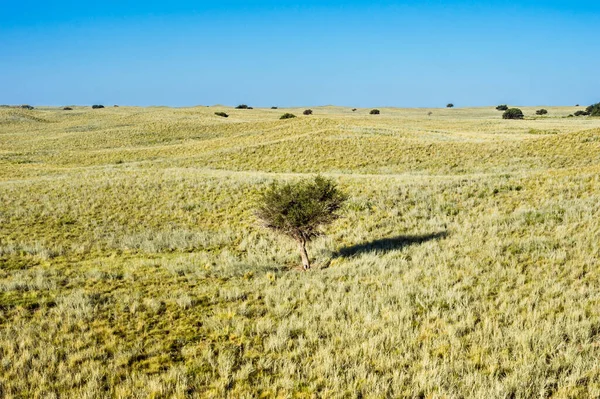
<point x="541" y="112"/>
<point x="307" y="112"/>
<point x="374" y="112"/>
<point x="513" y="113"/>
<point x="582" y="113"/>
<point x="222" y="114"/>
<point x="464" y="263"/>
<point x="299" y="210"/>
<point x="287" y="115"/>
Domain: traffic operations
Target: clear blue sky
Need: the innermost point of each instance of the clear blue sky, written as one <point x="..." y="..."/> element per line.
<point x="282" y="53"/>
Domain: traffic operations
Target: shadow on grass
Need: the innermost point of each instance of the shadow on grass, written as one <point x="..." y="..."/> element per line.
<point x="387" y="244"/>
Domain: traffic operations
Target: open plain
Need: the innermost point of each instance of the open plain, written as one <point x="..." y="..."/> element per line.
<point x="466" y="263"/>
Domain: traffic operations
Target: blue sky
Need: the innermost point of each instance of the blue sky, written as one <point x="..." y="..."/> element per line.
<point x="283" y="53"/>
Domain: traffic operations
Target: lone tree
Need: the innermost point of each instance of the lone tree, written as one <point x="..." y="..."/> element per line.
<point x="298" y="210"/>
<point x="541" y="112"/>
<point x="450" y="105"/>
<point x="374" y="112"/>
<point x="307" y="112"/>
<point x="513" y="113"/>
<point x="502" y="107"/>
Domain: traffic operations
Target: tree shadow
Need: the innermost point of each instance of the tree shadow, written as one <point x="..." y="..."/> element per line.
<point x="387" y="244"/>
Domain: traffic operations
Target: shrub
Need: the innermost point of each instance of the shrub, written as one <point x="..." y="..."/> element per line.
<point x="299" y="210"/>
<point x="97" y="106"/>
<point x="541" y="112"/>
<point x="250" y="108"/>
<point x="307" y="112"/>
<point x="287" y="115"/>
<point x="374" y="112"/>
<point x="582" y="113"/>
<point x="25" y="106"/>
<point x="273" y="107"/>
<point x="577" y="105"/>
<point x="513" y="113"/>
<point x="593" y="110"/>
<point x="115" y="106"/>
<point x="450" y="105"/>
<point x="502" y="107"/>
<point x="242" y="106"/>
<point x="67" y="109"/>
<point x="353" y="109"/>
<point x="222" y="114"/>
<point x="570" y="116"/>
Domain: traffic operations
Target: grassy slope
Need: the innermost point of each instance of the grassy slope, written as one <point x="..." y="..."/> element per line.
<point x="465" y="265"/>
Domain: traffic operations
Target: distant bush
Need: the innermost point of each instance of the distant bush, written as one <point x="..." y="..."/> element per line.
<point x="273" y="107"/>
<point x="29" y="107"/>
<point x="594" y="110"/>
<point x="242" y="106"/>
<point x="577" y="105"/>
<point x="97" y="106"/>
<point x="287" y="115"/>
<point x="307" y="112"/>
<point x="513" y="113"/>
<point x="582" y="113"/>
<point x="541" y="112"/>
<point x="374" y="112"/>
<point x="67" y="109"/>
<point x="353" y="109"/>
<point x="502" y="107"/>
<point x="570" y="116"/>
<point x="115" y="106"/>
<point x="450" y="105"/>
<point x="222" y="114"/>
<point x="429" y="113"/>
<point x="250" y="108"/>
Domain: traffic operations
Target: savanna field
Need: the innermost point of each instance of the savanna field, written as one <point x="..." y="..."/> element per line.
<point x="466" y="263"/>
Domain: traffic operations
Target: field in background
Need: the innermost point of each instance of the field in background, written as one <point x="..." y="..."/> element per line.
<point x="466" y="263"/>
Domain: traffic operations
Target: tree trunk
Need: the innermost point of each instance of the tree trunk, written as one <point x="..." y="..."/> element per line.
<point x="303" y="254"/>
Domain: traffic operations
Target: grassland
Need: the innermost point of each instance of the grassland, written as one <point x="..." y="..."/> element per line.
<point x="466" y="263"/>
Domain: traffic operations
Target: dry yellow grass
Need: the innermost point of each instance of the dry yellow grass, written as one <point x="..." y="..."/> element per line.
<point x="466" y="264"/>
